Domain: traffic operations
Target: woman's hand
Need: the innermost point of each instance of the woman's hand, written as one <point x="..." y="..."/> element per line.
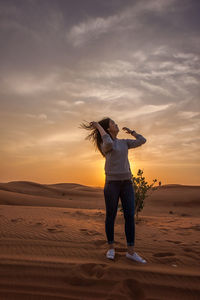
<point x="94" y="124"/>
<point x="97" y="126"/>
<point x="128" y="130"/>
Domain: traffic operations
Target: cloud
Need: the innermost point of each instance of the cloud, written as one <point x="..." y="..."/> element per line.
<point x="187" y="56"/>
<point x="143" y="110"/>
<point x="79" y="102"/>
<point x="27" y="84"/>
<point x="128" y="18"/>
<point x="155" y="88"/>
<point x="108" y="93"/>
<point x="154" y="5"/>
<point x="40" y="116"/>
<point x="71" y="112"/>
<point x="60" y="137"/>
<point x="188" y="114"/>
<point x="90" y="29"/>
<point x="63" y="103"/>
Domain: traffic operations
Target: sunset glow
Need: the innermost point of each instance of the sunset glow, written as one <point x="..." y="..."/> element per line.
<point x="63" y="62"/>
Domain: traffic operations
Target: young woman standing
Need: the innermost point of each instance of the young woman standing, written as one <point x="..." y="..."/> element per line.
<point x="118" y="181"/>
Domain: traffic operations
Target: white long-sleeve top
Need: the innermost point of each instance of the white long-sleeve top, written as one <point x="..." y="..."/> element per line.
<point x="117" y="165"/>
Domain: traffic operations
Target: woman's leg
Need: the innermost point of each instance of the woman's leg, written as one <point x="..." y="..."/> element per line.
<point x="111" y="195"/>
<point x="127" y="197"/>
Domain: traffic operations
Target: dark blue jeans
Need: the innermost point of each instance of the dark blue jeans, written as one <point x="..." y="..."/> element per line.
<point x="113" y="190"/>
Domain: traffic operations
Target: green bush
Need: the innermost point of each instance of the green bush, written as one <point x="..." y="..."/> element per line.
<point x="140" y="189"/>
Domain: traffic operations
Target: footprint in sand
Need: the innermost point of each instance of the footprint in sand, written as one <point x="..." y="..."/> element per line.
<point x="93" y="232"/>
<point x="100" y="242"/>
<point x="80" y="281"/>
<point x="128" y="288"/>
<point x="54" y="230"/>
<point x="185" y="215"/>
<point x="17" y="220"/>
<point x="195" y="227"/>
<point x="59" y="225"/>
<point x="175" y="242"/>
<point x="79" y="213"/>
<point x="90" y="232"/>
<point x="93" y="270"/>
<point x="39" y="223"/>
<point x="163" y="254"/>
<point x="187" y="249"/>
<point x="133" y="288"/>
<point x="99" y="214"/>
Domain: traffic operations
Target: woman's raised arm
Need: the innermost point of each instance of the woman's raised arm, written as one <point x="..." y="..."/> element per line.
<point x="107" y="141"/>
<point x="134" y="143"/>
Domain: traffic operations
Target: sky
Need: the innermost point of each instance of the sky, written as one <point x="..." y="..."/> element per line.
<point x="64" y="62"/>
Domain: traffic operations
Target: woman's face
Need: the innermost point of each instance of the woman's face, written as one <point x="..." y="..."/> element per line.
<point x="113" y="127"/>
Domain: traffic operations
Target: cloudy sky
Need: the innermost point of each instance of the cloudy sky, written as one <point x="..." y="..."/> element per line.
<point x="63" y="62"/>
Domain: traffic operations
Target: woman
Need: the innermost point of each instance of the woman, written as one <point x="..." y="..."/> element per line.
<point x="118" y="182"/>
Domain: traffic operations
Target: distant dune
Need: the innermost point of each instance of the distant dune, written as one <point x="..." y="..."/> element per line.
<point x="175" y="197"/>
<point x="50" y="190"/>
<point x="53" y="195"/>
<point x="173" y="185"/>
<point x="53" y="244"/>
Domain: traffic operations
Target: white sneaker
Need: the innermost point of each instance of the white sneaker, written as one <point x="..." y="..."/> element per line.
<point x="136" y="257"/>
<point x="110" y="254"/>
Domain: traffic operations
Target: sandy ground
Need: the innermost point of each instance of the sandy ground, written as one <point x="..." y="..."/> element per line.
<point x="53" y="244"/>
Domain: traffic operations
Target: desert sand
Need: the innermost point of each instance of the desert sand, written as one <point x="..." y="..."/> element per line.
<point x="53" y="244"/>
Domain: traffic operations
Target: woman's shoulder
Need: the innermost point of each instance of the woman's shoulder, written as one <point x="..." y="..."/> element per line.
<point x="121" y="141"/>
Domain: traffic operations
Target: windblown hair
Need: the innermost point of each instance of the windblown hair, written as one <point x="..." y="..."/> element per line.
<point x="95" y="135"/>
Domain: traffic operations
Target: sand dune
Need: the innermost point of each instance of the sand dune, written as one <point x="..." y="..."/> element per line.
<point x="55" y="195"/>
<point x="49" y="190"/>
<point x="51" y="250"/>
<point x="177" y="199"/>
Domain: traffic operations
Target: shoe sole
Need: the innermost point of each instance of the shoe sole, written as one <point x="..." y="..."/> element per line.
<point x="112" y="258"/>
<point x="140" y="262"/>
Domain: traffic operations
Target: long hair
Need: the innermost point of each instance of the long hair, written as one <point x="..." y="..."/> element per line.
<point x="95" y="135"/>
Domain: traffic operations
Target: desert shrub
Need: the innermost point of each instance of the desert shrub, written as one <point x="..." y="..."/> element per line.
<point x="140" y="189"/>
